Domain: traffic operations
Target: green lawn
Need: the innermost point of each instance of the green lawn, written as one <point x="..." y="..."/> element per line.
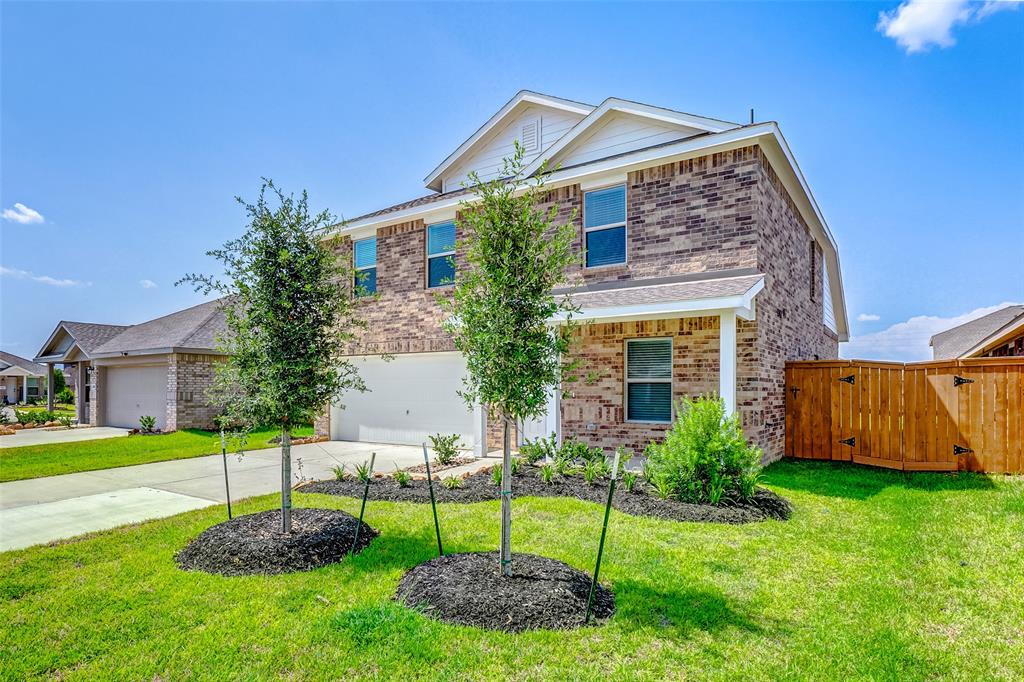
<point x="32" y="461"/>
<point x="878" y="576"/>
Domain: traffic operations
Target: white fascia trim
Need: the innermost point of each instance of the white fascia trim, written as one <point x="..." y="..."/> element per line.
<point x="158" y="351"/>
<point x="520" y="97"/>
<point x="741" y="304"/>
<point x="50" y="339"/>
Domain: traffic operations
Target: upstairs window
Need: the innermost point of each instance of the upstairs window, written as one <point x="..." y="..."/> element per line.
<point x="604" y="226"/>
<point x="364" y="257"/>
<point x="649" y="380"/>
<point x="440" y="254"/>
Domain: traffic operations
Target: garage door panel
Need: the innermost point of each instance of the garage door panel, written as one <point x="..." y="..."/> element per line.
<point x="408" y="398"/>
<point x="132" y="392"/>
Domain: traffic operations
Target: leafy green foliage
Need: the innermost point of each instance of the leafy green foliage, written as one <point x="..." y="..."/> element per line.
<point x="629" y="479"/>
<point x="66" y="396"/>
<point x="541" y="448"/>
<point x="66" y="420"/>
<point x="452" y="482"/>
<point x="517" y="463"/>
<point x="445" y="447"/>
<point x="59" y="382"/>
<point x="363" y="472"/>
<point x="547" y="473"/>
<point x="147" y="423"/>
<point x="496" y="475"/>
<point x="577" y="451"/>
<point x="593" y="470"/>
<point x="662" y="485"/>
<point x="402" y="478"/>
<point x="704" y="457"/>
<point x="340" y="472"/>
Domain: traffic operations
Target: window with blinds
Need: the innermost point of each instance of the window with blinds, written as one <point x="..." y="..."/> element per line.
<point x="364" y="260"/>
<point x="440" y="253"/>
<point x="649" y="380"/>
<point x="604" y="226"/>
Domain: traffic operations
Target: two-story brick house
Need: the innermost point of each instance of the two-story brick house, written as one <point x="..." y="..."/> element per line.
<point x="706" y="264"/>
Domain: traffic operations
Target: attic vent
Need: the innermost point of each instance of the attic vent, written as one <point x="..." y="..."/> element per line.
<point x="530" y="135"/>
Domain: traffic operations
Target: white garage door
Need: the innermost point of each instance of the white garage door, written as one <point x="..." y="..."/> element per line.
<point x="410" y="397"/>
<point x="135" y="391"/>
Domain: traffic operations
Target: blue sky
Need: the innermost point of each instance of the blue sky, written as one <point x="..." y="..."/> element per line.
<point x="129" y="128"/>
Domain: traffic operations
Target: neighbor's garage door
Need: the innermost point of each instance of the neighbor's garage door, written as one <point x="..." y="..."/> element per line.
<point x="135" y="391"/>
<point x="410" y="397"/>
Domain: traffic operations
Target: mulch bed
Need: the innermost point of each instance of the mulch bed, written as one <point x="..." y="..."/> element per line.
<point x="479" y="488"/>
<point x="254" y="544"/>
<point x="435" y="467"/>
<point x="468" y="589"/>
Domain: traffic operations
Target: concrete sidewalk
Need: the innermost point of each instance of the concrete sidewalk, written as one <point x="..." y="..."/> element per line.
<point x="39" y="510"/>
<point x="59" y="435"/>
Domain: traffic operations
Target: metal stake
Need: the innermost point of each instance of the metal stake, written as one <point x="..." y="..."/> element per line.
<point x="224" y="456"/>
<point x="433" y="503"/>
<point x="604" y="531"/>
<point x="362" y="507"/>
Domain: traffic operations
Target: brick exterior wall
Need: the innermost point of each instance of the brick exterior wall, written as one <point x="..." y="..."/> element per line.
<point x="723" y="211"/>
<point x="189" y="377"/>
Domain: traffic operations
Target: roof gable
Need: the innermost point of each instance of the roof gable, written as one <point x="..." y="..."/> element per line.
<point x="536" y="120"/>
<point x="10" y="361"/>
<point x="620" y="126"/>
<point x="194" y="328"/>
<point x="961" y="340"/>
<point x="70" y="338"/>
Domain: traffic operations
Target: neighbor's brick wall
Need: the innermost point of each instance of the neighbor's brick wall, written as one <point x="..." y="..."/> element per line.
<point x="189" y="376"/>
<point x="789" y="310"/>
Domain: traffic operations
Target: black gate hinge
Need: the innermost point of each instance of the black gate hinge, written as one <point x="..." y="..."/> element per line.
<point x="849" y="380"/>
<point x="794" y="390"/>
<point x="852" y="441"/>
<point x="960" y="381"/>
<point x="960" y="450"/>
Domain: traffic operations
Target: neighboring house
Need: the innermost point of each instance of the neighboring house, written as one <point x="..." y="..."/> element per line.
<point x="159" y="368"/>
<point x="707" y="266"/>
<point x="998" y="334"/>
<point x="20" y="379"/>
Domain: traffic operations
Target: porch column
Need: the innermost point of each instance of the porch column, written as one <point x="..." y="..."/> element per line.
<point x="49" y="386"/>
<point x="24" y="390"/>
<point x="727" y="361"/>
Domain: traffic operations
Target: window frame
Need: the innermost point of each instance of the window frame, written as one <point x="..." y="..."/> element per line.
<point x="358" y="269"/>
<point x="433" y="256"/>
<point x="626" y="381"/>
<point x="624" y="224"/>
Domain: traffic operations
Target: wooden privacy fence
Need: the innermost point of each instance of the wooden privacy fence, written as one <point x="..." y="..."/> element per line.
<point x="924" y="416"/>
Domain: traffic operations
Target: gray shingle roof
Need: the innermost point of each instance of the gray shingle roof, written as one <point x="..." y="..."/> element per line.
<point x="89" y="336"/>
<point x="954" y="342"/>
<point x="195" y="328"/>
<point x="670" y="292"/>
<point x="12" y="360"/>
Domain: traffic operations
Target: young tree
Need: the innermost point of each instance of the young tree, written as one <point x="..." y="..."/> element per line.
<point x="289" y="316"/>
<point x="502" y="306"/>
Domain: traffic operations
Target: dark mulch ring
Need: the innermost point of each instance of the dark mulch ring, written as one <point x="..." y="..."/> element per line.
<point x="468" y="589"/>
<point x="255" y="545"/>
<point x="641" y="502"/>
<point x="435" y="467"/>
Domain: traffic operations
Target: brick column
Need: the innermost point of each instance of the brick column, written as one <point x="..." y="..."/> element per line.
<point x="173" y="393"/>
<point x="322" y="423"/>
<point x="96" y="388"/>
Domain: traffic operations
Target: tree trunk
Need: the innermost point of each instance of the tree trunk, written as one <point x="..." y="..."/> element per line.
<point x="506" y="500"/>
<point x="286" y="480"/>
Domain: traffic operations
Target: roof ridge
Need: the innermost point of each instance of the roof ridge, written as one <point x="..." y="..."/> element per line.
<point x="1019" y="307"/>
<point x="202" y="324"/>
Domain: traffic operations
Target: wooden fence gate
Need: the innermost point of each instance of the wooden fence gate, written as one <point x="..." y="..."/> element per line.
<point x="922" y="416"/>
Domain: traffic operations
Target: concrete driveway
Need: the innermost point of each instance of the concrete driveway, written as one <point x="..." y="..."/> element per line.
<point x="59" y="435"/>
<point x="39" y="510"/>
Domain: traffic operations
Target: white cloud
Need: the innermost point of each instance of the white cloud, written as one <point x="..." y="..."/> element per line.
<point x="147" y="284"/>
<point x="908" y="341"/>
<point x="919" y="24"/>
<point x="23" y="215"/>
<point x="868" y="317"/>
<point x="43" y="279"/>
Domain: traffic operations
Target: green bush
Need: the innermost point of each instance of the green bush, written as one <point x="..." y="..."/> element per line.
<point x="704" y="457"/>
<point x="147" y="423"/>
<point x="66" y="396"/>
<point x="536" y="450"/>
<point x="65" y="420"/>
<point x="403" y="478"/>
<point x="446" y="447"/>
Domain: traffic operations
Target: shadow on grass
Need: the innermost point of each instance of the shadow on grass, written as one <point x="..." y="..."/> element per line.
<point x="859" y="482"/>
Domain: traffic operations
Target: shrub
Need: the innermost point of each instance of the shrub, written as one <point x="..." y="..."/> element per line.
<point x="662" y="487"/>
<point x="403" y="478"/>
<point x="147" y="423"/>
<point x="363" y="472"/>
<point x="704" y="457"/>
<point x="593" y="470"/>
<point x="5" y="419"/>
<point x="564" y="467"/>
<point x="515" y="465"/>
<point x="496" y="475"/>
<point x="66" y="396"/>
<point x="446" y="447"/>
<point x="547" y="473"/>
<point x="65" y="420"/>
<point x="340" y="472"/>
<point x="629" y="480"/>
<point x="541" y="448"/>
<point x="452" y="482"/>
<point x="574" y="450"/>
<point x="23" y="417"/>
